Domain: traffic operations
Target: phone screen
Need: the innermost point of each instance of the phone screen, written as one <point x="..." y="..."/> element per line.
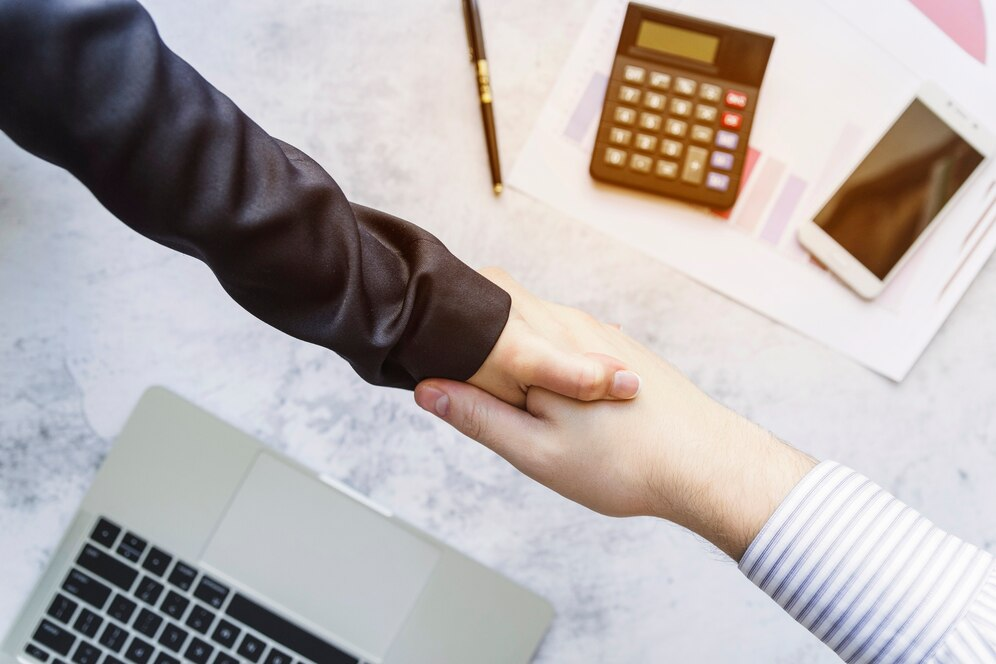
<point x="894" y="194"/>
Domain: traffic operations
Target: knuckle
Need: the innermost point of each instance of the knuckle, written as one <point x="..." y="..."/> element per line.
<point x="476" y="424"/>
<point x="590" y="380"/>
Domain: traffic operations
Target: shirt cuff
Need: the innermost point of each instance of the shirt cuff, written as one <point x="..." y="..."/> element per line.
<point x="865" y="573"/>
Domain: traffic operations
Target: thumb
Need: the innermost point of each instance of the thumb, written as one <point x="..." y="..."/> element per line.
<point x="503" y="428"/>
<point x="583" y="376"/>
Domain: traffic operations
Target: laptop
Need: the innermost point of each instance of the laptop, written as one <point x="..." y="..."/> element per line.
<point x="196" y="543"/>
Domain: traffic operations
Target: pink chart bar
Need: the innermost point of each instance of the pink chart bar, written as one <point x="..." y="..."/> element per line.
<point x="588" y="108"/>
<point x="781" y="214"/>
<point x="763" y="191"/>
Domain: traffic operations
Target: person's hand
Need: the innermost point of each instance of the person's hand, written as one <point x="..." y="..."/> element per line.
<point x="539" y="348"/>
<point x="673" y="453"/>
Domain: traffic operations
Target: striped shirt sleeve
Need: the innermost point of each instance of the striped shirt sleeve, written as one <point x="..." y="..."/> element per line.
<point x="871" y="577"/>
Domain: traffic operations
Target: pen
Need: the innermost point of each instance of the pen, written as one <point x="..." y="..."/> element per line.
<point x="475" y="38"/>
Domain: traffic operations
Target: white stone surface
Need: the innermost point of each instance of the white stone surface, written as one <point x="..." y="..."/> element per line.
<point x="382" y="95"/>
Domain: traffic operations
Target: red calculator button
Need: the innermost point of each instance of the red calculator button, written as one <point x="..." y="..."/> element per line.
<point x="732" y="120"/>
<point x="736" y="99"/>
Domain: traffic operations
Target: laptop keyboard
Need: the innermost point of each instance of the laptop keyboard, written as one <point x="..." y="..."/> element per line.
<point x="125" y="601"/>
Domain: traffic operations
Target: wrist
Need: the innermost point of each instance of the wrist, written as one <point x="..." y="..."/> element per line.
<point x="748" y="474"/>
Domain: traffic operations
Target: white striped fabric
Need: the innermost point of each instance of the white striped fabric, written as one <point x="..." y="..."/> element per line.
<point x="871" y="577"/>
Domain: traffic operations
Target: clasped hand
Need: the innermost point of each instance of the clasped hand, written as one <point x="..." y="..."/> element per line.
<point x="673" y="452"/>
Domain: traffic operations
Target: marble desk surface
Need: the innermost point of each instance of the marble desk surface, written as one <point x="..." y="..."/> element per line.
<point x="380" y="92"/>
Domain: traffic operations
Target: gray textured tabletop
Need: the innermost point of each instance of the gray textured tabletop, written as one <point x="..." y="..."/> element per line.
<point x="382" y="95"/>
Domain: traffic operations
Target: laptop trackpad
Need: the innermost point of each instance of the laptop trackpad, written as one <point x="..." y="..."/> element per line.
<point x="321" y="556"/>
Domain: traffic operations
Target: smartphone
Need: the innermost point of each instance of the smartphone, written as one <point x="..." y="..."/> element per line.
<point x="898" y="193"/>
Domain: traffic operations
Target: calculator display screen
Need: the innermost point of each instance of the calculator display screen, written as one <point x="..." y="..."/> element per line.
<point x="677" y="41"/>
<point x="901" y="185"/>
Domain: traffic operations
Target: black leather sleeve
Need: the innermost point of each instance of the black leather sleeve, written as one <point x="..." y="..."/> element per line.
<point x="88" y="85"/>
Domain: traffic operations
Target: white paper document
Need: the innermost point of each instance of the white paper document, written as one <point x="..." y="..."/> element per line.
<point x="834" y="84"/>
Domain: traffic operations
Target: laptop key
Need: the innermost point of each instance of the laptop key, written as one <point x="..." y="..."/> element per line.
<point x="198" y="651"/>
<point x="200" y="619"/>
<point x="225" y="633"/>
<point x="131" y="547"/>
<point x="147" y="623"/>
<point x="62" y="608"/>
<point x="113" y="637"/>
<point x="148" y="590"/>
<point x="174" y="605"/>
<point x="36" y="652"/>
<point x="157" y="561"/>
<point x="173" y="637"/>
<point x="86" y="654"/>
<point x="223" y="658"/>
<point x="54" y="637"/>
<point x="139" y="651"/>
<point x="107" y="660"/>
<point x="183" y="575"/>
<point x="284" y="632"/>
<point x="86" y="588"/>
<point x="163" y="658"/>
<point x="277" y="657"/>
<point x="105" y="533"/>
<point x="211" y="591"/>
<point x="106" y="567"/>
<point x="251" y="648"/>
<point x="88" y="623"/>
<point x="121" y="608"/>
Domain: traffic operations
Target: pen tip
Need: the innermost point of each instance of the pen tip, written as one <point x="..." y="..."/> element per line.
<point x="498" y="188"/>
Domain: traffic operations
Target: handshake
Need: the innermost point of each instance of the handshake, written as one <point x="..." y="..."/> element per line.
<point x="580" y="407"/>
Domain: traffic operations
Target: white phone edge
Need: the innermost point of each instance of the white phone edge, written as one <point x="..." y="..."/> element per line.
<point x="840" y="261"/>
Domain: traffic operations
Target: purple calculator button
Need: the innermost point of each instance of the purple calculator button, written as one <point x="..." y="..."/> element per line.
<point x="721" y="160"/>
<point x="727" y="139"/>
<point x="718" y="182"/>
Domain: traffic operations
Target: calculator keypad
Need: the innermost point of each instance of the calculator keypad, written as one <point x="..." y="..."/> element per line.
<point x="685" y="133"/>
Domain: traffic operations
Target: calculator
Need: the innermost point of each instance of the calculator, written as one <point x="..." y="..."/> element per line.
<point x="679" y="106"/>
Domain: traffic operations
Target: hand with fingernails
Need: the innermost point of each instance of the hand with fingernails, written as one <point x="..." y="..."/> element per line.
<point x="538" y="348"/>
<point x="672" y="453"/>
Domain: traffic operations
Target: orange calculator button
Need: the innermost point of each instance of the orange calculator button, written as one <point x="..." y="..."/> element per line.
<point x="732" y="120"/>
<point x="736" y="99"/>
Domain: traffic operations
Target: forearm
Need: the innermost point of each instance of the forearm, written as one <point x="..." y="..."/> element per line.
<point x="737" y="476"/>
<point x="862" y="571"/>
<point x="89" y="86"/>
<point x="872" y="578"/>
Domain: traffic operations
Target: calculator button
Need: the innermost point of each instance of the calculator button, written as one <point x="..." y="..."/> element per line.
<point x="614" y="157"/>
<point x="736" y="99"/>
<point x="629" y="95"/>
<point x="620" y="136"/>
<point x="718" y="182"/>
<point x="684" y="86"/>
<point x="695" y="162"/>
<point x="624" y="115"/>
<point x="681" y="107"/>
<point x="705" y="113"/>
<point x="667" y="170"/>
<point x="646" y="143"/>
<point x="701" y="134"/>
<point x="650" y="121"/>
<point x="634" y="74"/>
<point x="672" y="148"/>
<point x="732" y="120"/>
<point x="660" y="80"/>
<point x="640" y="163"/>
<point x="721" y="160"/>
<point x="727" y="140"/>
<point x="676" y="127"/>
<point x="654" y="101"/>
<point x="710" y="92"/>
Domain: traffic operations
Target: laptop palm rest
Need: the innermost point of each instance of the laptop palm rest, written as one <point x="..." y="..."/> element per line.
<point x="321" y="556"/>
